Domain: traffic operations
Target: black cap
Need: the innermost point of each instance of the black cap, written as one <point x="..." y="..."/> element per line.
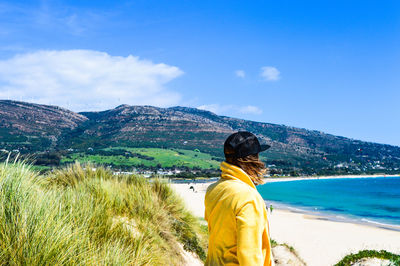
<point x="243" y="143"/>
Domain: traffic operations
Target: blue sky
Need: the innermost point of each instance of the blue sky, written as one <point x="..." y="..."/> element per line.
<point x="332" y="66"/>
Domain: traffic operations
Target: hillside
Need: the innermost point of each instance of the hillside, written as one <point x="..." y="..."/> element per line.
<point x="294" y="150"/>
<point x="31" y="127"/>
<point x="147" y="126"/>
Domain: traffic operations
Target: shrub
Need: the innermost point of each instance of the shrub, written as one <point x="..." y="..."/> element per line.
<point x="383" y="254"/>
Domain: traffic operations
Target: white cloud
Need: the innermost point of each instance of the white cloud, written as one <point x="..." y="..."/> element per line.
<point x="86" y="80"/>
<point x="240" y="73"/>
<point x="250" y="109"/>
<point x="270" y="73"/>
<point x="216" y="108"/>
<point x="231" y="109"/>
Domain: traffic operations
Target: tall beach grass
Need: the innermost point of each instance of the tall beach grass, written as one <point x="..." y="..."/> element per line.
<point x="80" y="215"/>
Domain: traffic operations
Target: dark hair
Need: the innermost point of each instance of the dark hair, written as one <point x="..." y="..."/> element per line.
<point x="252" y="165"/>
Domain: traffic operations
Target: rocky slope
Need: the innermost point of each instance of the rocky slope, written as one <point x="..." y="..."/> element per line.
<point x="34" y="126"/>
<point x="147" y="126"/>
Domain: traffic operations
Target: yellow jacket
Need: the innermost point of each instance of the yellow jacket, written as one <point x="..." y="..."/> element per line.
<point x="237" y="221"/>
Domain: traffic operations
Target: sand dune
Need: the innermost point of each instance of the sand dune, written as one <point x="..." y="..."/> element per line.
<point x="317" y="240"/>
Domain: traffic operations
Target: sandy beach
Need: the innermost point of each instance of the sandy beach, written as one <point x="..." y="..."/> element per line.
<point x="318" y="241"/>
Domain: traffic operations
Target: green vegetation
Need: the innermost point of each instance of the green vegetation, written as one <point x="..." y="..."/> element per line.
<point x="41" y="168"/>
<point x="86" y="216"/>
<point x="24" y="143"/>
<point x="383" y="254"/>
<point x="145" y="157"/>
<point x="275" y="244"/>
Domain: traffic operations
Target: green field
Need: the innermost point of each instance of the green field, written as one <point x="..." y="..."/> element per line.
<point x="145" y="157"/>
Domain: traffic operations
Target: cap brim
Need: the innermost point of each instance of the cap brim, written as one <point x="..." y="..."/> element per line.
<point x="264" y="147"/>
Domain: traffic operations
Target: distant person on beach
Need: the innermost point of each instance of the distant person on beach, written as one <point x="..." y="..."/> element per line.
<point x="235" y="211"/>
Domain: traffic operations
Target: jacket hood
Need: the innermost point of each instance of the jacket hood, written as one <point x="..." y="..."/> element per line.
<point x="233" y="172"/>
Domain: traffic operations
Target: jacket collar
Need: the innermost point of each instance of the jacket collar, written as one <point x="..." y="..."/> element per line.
<point x="230" y="171"/>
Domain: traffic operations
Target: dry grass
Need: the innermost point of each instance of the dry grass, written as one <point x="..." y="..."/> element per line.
<point x="83" y="216"/>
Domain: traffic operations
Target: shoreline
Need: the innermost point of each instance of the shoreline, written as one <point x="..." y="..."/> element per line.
<point x="177" y="180"/>
<point x="201" y="187"/>
<point x="277" y="179"/>
<point x="330" y="216"/>
<point x="317" y="239"/>
<point x="320" y="241"/>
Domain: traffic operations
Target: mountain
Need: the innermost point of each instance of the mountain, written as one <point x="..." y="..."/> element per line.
<point x="31" y="127"/>
<point x="294" y="150"/>
<point x="147" y="126"/>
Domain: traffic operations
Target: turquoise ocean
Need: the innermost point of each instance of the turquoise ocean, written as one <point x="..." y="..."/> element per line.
<point x="374" y="201"/>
